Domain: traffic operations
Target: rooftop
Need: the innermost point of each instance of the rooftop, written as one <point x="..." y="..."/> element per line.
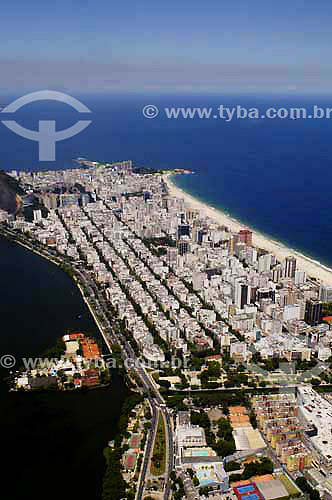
<point x="317" y="411"/>
<point x="272" y="489"/>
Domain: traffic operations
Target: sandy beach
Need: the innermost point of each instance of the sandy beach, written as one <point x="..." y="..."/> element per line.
<point x="310" y="266"/>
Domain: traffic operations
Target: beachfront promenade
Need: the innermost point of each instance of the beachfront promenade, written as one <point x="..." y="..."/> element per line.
<point x="310" y="266"/>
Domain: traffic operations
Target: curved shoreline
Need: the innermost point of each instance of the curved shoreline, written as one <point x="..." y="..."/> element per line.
<point x="312" y="267"/>
<point x="74" y="279"/>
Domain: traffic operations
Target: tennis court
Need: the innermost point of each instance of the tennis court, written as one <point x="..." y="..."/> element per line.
<point x="245" y="489"/>
<point x="251" y="497"/>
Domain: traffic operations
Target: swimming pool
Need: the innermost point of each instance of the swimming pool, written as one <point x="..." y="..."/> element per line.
<point x="198" y="453"/>
<point x="201" y="473"/>
<point x="204" y="477"/>
<point x="204" y="482"/>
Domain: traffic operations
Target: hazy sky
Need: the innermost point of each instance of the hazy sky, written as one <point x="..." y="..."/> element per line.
<point x="177" y="45"/>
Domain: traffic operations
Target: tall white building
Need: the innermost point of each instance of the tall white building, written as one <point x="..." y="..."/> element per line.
<point x="324" y="353"/>
<point x="37" y="215"/>
<point x="292" y="311"/>
<point x="300" y="277"/>
<point x="252" y="255"/>
<point x="277" y="273"/>
<point x="198" y="281"/>
<point x="172" y="254"/>
<point x="264" y="263"/>
<point x="239" y="352"/>
<point x="242" y="294"/>
<point x="289" y="267"/>
<point x="325" y="293"/>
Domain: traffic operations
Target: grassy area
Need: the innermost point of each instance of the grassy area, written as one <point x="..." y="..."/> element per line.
<point x="159" y="451"/>
<point x="292" y="490"/>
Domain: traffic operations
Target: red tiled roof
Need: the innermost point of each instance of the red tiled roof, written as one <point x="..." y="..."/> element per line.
<point x="90" y="348"/>
<point x="76" y="336"/>
<point x="90" y="378"/>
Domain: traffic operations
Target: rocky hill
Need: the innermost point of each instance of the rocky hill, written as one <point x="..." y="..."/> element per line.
<point x="10" y="193"/>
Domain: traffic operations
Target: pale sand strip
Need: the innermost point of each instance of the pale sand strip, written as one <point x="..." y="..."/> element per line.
<point x="311" y="267"/>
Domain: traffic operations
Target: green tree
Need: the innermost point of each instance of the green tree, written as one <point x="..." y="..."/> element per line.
<point x="230" y="466"/>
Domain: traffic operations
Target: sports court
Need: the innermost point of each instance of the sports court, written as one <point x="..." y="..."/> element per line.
<point x="246" y="489"/>
<point x="248" y="492"/>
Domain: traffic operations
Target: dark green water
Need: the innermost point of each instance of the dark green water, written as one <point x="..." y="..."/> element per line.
<point x="52" y="442"/>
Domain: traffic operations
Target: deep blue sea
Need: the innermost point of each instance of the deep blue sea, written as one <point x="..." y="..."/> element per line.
<point x="275" y="175"/>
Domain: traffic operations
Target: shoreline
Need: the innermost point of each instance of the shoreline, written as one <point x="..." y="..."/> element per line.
<point x="310" y="266"/>
<point x="74" y="279"/>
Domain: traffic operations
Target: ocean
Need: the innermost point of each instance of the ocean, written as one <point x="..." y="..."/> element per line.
<point x="274" y="175"/>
